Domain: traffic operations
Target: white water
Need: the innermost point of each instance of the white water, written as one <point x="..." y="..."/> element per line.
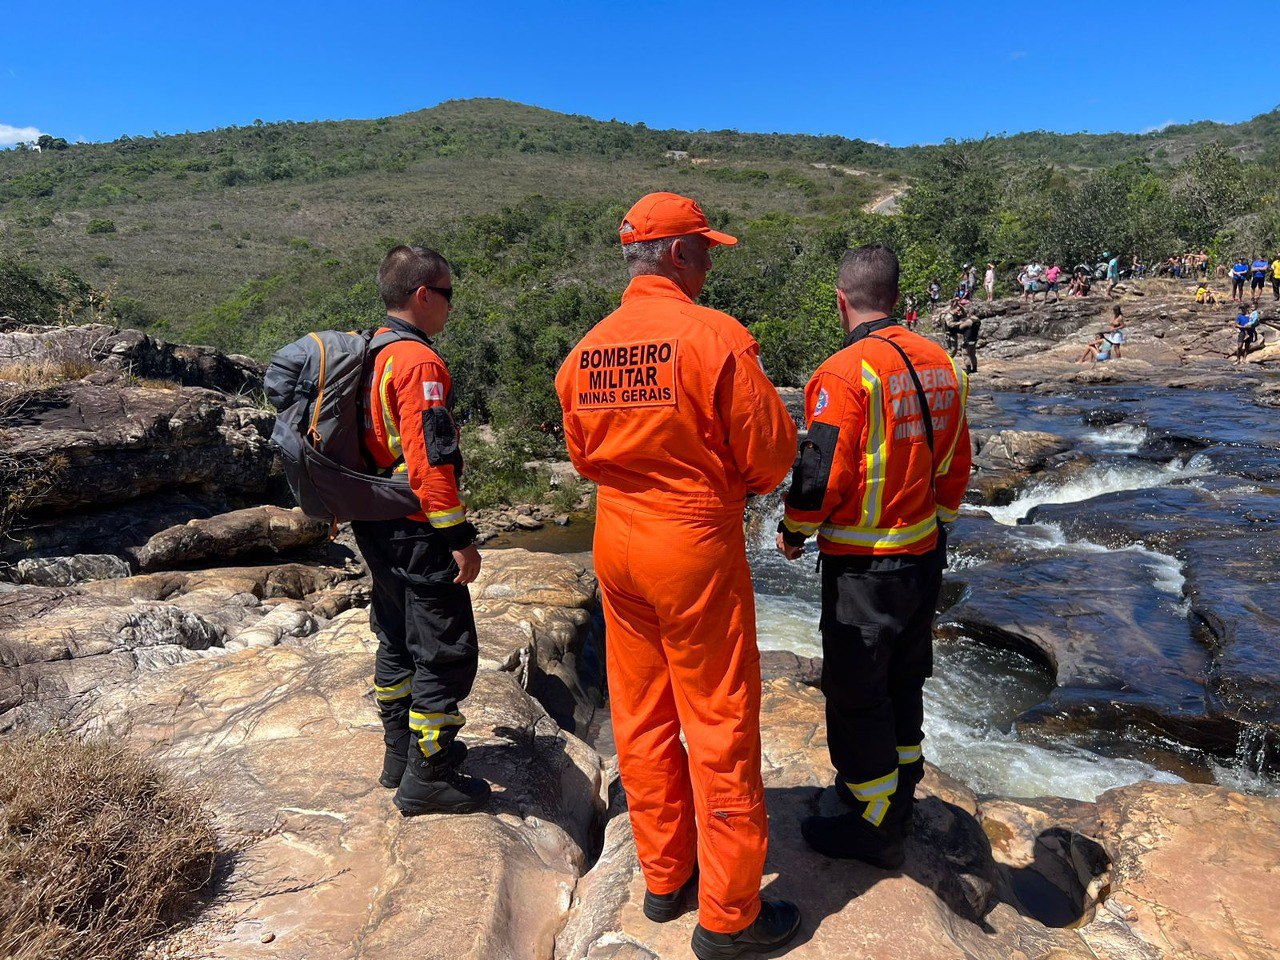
<point x="1097" y="481"/>
<point x="1118" y="438"/>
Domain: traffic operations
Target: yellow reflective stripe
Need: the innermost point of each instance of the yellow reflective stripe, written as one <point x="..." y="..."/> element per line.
<point x="429" y="725"/>
<point x="441" y="519"/>
<point x="962" y="380"/>
<point x="403" y="468"/>
<point x="947" y="516"/>
<point x="873" y="491"/>
<point x="910" y="754"/>
<point x="394" y="692"/>
<point x="393" y="435"/>
<point x="799" y="526"/>
<point x="876" y="793"/>
<point x="880" y="537"/>
<point x="870" y="789"/>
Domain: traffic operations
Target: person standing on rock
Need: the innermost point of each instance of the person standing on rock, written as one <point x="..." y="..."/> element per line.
<point x="884" y="465"/>
<point x="420" y="565"/>
<point x="667" y="408"/>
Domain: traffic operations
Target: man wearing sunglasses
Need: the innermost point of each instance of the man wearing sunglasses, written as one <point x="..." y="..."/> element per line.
<point x="421" y="564"/>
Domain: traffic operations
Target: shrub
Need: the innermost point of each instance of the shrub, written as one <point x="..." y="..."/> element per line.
<point x="99" y="852"/>
<point x="100" y="226"/>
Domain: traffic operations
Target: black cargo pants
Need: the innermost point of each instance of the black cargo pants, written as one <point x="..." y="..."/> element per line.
<point x="877" y="651"/>
<point x="427" y="652"/>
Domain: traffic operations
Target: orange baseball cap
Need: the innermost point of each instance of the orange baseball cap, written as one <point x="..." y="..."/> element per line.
<point x="658" y="215"/>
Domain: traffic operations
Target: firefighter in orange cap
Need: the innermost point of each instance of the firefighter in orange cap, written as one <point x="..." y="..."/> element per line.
<point x="884" y="464"/>
<point x="668" y="410"/>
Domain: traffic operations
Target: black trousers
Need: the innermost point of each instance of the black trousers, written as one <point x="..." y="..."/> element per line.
<point x="877" y="651"/>
<point x="427" y="652"/>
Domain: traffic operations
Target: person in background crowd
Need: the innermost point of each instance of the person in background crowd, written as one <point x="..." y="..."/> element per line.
<point x="883" y="468"/>
<point x="935" y="295"/>
<point x="911" y="316"/>
<point x="1098" y="350"/>
<point x="1258" y="282"/>
<point x="667" y="408"/>
<point x="1204" y="293"/>
<point x="1239" y="271"/>
<point x="1246" y="333"/>
<point x="1051" y="278"/>
<point x="1136" y="268"/>
<point x="989" y="281"/>
<point x="1202" y="261"/>
<point x="1113" y="273"/>
<point x="1117" y="335"/>
<point x="1275" y="277"/>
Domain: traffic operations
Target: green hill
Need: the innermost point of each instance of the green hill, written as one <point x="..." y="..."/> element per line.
<point x="247" y="237"/>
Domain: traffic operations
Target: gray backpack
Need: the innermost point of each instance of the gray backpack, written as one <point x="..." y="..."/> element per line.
<point x="317" y="384"/>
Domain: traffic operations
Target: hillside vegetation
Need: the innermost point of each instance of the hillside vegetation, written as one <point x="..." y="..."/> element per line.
<point x="246" y="238"/>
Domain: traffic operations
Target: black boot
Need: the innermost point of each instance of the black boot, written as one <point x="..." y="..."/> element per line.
<point x="394" y="760"/>
<point x="851" y="837"/>
<point x="661" y="907"/>
<point x="776" y="923"/>
<point x="437" y="785"/>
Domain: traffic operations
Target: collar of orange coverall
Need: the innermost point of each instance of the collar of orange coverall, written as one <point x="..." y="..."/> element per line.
<point x="652" y="285"/>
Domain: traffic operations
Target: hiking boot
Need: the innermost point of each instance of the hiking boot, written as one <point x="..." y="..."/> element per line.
<point x="437" y="785"/>
<point x="394" y="761"/>
<point x="663" y="907"/>
<point x="776" y="923"/>
<point x="850" y="837"/>
<point x="905" y="827"/>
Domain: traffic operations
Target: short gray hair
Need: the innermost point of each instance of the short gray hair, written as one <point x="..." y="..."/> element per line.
<point x="643" y="256"/>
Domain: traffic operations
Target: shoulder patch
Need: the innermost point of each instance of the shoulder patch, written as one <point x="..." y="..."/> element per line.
<point x="824" y="400"/>
<point x="432" y="390"/>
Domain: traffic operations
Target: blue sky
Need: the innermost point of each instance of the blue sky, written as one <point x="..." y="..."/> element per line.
<point x="894" y="72"/>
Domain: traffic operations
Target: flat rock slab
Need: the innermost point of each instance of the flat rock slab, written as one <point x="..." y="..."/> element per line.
<point x="1226" y="538"/>
<point x="287" y="742"/>
<point x="254" y="530"/>
<point x="1195" y="870"/>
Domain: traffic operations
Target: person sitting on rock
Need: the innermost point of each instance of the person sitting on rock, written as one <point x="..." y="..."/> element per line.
<point x="1098" y="350"/>
<point x="1205" y="294"/>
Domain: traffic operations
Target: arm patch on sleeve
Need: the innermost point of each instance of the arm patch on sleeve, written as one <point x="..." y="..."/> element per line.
<point x="441" y="435"/>
<point x="812" y="468"/>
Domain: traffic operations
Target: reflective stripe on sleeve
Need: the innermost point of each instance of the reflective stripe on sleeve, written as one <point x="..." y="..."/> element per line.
<point x="799" y="526"/>
<point x="910" y="754"/>
<point x="443" y="519"/>
<point x="947" y="516"/>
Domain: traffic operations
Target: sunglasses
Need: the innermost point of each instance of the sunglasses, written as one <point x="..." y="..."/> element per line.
<point x="446" y="292"/>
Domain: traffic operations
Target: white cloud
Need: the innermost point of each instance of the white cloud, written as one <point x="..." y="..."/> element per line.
<point x="11" y="135"/>
<point x="1160" y="126"/>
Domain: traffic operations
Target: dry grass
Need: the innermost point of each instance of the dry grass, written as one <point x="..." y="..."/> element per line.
<point x="99" y="852"/>
<point x="45" y="371"/>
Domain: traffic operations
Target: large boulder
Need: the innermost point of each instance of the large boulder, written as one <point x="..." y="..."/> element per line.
<point x="254" y="530"/>
<point x="1004" y="460"/>
<point x="131" y="352"/>
<point x="96" y="444"/>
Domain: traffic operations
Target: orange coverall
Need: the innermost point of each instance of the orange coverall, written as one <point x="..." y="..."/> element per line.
<point x="667" y="409"/>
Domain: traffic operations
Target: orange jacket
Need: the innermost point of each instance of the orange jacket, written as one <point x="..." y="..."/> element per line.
<point x="865" y="480"/>
<point x="409" y="427"/>
<point x="666" y="406"/>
